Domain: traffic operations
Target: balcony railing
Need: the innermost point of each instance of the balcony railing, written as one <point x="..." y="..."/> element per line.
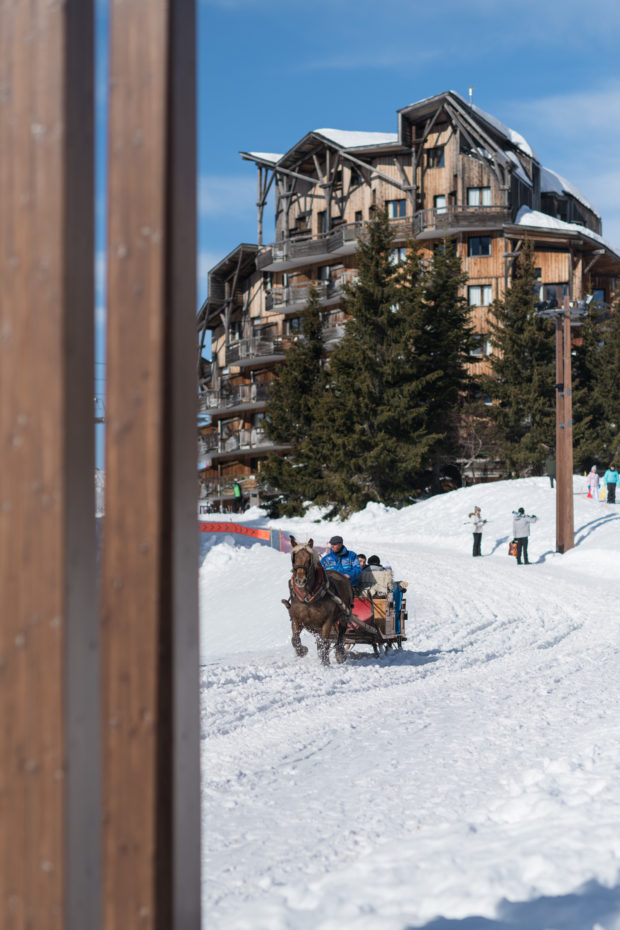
<point x="243" y="439"/>
<point x="254" y="347"/>
<point x="440" y="218"/>
<point x="308" y="247"/>
<point x="298" y="294"/>
<point x="237" y="396"/>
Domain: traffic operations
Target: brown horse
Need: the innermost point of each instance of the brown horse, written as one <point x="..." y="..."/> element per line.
<point x="319" y="602"/>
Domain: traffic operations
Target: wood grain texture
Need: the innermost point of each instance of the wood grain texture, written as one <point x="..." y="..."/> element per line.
<point x="48" y="677"/>
<point x="149" y="582"/>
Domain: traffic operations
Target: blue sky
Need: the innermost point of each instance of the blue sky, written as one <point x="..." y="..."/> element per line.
<point x="271" y="71"/>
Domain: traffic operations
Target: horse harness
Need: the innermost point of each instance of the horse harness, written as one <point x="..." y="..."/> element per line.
<point x="322" y="587"/>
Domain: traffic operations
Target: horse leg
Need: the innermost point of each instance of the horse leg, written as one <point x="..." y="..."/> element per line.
<point x="296" y="628"/>
<point x="340" y="651"/>
<point x="322" y="642"/>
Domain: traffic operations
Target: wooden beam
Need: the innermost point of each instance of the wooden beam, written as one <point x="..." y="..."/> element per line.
<point x="49" y="734"/>
<point x="149" y="578"/>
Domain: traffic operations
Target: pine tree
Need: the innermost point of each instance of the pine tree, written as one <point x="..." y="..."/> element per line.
<point x="375" y="438"/>
<point x="605" y="394"/>
<point x="523" y="365"/>
<point x="291" y="416"/>
<point x="443" y="340"/>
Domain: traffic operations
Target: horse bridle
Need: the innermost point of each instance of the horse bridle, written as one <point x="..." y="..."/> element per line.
<point x="322" y="581"/>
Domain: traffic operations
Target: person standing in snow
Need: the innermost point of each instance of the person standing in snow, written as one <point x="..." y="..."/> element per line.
<point x="593" y="483"/>
<point x="343" y="560"/>
<point x="610" y="479"/>
<point x="478" y="523"/>
<point x="521" y="531"/>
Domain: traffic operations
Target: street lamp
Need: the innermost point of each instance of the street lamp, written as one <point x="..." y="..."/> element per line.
<point x="572" y="311"/>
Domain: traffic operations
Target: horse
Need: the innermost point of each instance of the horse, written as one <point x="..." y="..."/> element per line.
<point x="319" y="602"/>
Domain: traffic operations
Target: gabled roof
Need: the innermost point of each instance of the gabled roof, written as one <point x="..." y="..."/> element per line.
<point x="500" y="132"/>
<point x="312" y="142"/>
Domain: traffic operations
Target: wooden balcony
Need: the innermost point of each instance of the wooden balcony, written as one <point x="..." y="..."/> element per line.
<point x="447" y="220"/>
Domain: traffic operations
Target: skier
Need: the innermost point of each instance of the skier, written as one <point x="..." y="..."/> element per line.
<point x="478" y="523"/>
<point x="521" y="532"/>
<point x="610" y="479"/>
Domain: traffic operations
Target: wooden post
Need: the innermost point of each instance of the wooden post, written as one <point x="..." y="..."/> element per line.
<point x="149" y="582"/>
<point x="565" y="532"/>
<point x="49" y="733"/>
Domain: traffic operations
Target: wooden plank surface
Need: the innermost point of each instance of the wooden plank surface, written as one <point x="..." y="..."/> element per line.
<point x="48" y="676"/>
<point x="149" y="580"/>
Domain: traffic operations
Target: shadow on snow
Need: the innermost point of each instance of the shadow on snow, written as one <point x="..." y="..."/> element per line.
<point x="592" y="905"/>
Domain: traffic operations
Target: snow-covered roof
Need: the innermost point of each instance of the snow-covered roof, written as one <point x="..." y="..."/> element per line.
<point x="538" y="220"/>
<point x="265" y="156"/>
<point x="552" y="182"/>
<point x="350" y="139"/>
<point x="519" y="170"/>
<point x="515" y="137"/>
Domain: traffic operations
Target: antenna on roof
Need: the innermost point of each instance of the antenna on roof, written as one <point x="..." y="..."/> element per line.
<point x="471" y="95"/>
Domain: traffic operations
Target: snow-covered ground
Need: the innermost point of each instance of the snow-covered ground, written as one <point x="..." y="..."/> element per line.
<point x="470" y="781"/>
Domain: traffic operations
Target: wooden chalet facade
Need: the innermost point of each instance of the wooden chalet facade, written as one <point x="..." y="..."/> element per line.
<point x="450" y="170"/>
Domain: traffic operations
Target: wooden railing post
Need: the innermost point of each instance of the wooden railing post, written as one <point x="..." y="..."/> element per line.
<point x="49" y="731"/>
<point x="149" y="581"/>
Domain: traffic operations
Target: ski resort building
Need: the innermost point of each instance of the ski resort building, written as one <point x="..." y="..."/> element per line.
<point x="450" y="170"/>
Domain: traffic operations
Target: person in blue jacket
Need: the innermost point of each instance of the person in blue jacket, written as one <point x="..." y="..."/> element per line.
<point x="610" y="479"/>
<point x="343" y="560"/>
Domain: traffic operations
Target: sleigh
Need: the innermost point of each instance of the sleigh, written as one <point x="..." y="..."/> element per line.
<point x="379" y="615"/>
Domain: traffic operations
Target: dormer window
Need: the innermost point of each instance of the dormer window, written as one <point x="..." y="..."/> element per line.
<point x="435" y="157"/>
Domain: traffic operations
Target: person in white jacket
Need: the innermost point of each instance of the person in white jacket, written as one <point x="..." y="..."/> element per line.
<point x="521" y="531"/>
<point x="478" y="523"/>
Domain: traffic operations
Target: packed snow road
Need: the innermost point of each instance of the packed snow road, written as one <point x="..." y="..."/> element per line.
<point x="478" y="766"/>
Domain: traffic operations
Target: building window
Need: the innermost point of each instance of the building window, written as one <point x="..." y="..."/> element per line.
<point x="479" y="295"/>
<point x="358" y="216"/>
<point x="478" y="245"/>
<point x="325" y="273"/>
<point x="321" y="221"/>
<point x="554" y="294"/>
<point x="435" y="157"/>
<point x="479" y="196"/>
<point x="598" y="298"/>
<point x="482" y="346"/>
<point x="439" y="203"/>
<point x="396" y="208"/>
<point x="398" y="255"/>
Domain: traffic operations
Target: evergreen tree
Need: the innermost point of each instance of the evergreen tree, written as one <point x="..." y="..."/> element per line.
<point x="605" y="400"/>
<point x="588" y="418"/>
<point x="374" y="437"/>
<point x="443" y="340"/>
<point x="523" y="364"/>
<point x="291" y="416"/>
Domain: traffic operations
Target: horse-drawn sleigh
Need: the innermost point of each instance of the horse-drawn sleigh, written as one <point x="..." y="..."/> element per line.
<point x="324" y="603"/>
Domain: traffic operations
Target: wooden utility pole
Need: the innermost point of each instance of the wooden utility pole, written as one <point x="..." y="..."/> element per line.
<point x="564" y="510"/>
<point x="49" y="675"/>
